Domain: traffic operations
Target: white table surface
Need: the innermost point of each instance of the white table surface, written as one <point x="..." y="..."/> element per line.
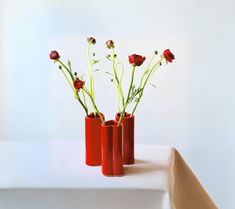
<point x="53" y="175"/>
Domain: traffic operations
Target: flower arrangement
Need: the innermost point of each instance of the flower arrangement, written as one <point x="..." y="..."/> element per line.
<point x="77" y="84"/>
<point x="134" y="93"/>
<point x="111" y="143"/>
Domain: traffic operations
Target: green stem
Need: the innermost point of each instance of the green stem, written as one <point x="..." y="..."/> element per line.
<point x="128" y="96"/>
<point x="119" y="88"/>
<point x="119" y="109"/>
<point x="120" y="84"/>
<point x="141" y="93"/>
<point x="147" y="68"/>
<point x="136" y="104"/>
<point x="75" y="93"/>
<point x="93" y="103"/>
<point x="84" y="98"/>
<point x="83" y="105"/>
<point x="90" y="76"/>
<point x="131" y="83"/>
<point x="67" y="69"/>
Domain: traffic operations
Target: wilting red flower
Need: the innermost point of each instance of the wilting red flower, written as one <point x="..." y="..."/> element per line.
<point x="136" y="60"/>
<point x="168" y="55"/>
<point x="110" y="44"/>
<point x="91" y="40"/>
<point x="54" y="55"/>
<point x="78" y="84"/>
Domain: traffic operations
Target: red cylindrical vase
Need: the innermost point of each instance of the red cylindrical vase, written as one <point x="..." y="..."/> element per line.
<point x="128" y="145"/>
<point x="111" y="136"/>
<point x="93" y="139"/>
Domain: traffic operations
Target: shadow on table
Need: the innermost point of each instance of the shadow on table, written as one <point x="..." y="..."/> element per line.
<point x="142" y="167"/>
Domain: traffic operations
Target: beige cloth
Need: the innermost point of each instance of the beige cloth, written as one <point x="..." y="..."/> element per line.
<point x="185" y="190"/>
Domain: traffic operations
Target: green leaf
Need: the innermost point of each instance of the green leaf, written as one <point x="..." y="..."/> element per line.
<point x="95" y="61"/>
<point x="109" y="73"/>
<point x="153" y="85"/>
<point x="69" y="64"/>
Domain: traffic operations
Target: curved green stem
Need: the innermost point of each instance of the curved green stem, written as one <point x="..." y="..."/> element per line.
<point x="67" y="69"/>
<point x="75" y="93"/>
<point x="119" y="88"/>
<point x="128" y="96"/>
<point x="84" y="98"/>
<point x="120" y="84"/>
<point x="147" y="69"/>
<point x="131" y="83"/>
<point x="83" y="105"/>
<point x="90" y="76"/>
<point x="93" y="103"/>
<point x="149" y="75"/>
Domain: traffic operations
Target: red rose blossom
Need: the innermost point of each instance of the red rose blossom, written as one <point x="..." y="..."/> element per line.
<point x="91" y="40"/>
<point x="110" y="44"/>
<point x="78" y="84"/>
<point x="168" y="55"/>
<point x="136" y="60"/>
<point x="54" y="55"/>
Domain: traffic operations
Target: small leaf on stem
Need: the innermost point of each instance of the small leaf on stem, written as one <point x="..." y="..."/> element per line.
<point x="94" y="62"/>
<point x="153" y="85"/>
<point x="109" y="73"/>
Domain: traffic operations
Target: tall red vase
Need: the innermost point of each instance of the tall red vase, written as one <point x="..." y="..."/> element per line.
<point x="128" y="146"/>
<point x="93" y="139"/>
<point x="111" y="136"/>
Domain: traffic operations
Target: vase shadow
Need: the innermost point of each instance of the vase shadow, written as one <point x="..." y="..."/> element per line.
<point x="143" y="166"/>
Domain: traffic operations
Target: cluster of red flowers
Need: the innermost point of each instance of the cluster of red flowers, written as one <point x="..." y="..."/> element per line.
<point x="134" y="59"/>
<point x="138" y="60"/>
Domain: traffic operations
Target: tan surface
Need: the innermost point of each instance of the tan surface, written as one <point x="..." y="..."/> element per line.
<point x="185" y="190"/>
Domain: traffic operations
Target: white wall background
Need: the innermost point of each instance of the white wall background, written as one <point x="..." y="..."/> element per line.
<point x="192" y="107"/>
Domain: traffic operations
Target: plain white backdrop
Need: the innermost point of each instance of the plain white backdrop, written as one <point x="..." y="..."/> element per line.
<point x="192" y="107"/>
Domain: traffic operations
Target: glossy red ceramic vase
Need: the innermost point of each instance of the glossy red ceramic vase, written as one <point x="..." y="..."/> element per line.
<point x="111" y="136"/>
<point x="128" y="146"/>
<point x="93" y="139"/>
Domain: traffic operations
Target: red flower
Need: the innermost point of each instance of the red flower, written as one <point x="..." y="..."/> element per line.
<point x="110" y="44"/>
<point x="91" y="40"/>
<point x="54" y="55"/>
<point x="78" y="84"/>
<point x="136" y="60"/>
<point x="168" y="55"/>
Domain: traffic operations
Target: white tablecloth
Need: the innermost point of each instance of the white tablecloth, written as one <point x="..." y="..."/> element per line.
<point x="53" y="175"/>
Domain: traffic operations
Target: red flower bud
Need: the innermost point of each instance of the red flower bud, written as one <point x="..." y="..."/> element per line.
<point x="110" y="44"/>
<point x="91" y="40"/>
<point x="136" y="60"/>
<point x="54" y="55"/>
<point x="78" y="84"/>
<point x="168" y="55"/>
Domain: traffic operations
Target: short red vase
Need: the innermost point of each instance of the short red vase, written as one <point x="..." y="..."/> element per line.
<point x="128" y="146"/>
<point x="111" y="136"/>
<point x="93" y="139"/>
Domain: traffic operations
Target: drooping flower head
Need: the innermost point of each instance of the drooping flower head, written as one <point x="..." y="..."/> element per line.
<point x="91" y="40"/>
<point x="168" y="55"/>
<point x="136" y="60"/>
<point x="110" y="44"/>
<point x="78" y="84"/>
<point x="54" y="55"/>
